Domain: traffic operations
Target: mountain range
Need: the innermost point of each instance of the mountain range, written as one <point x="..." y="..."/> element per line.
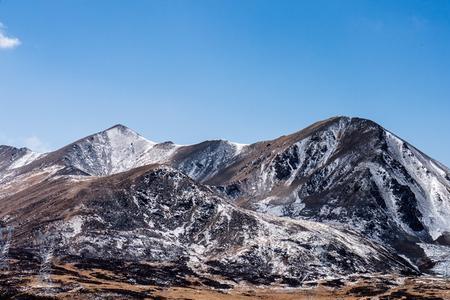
<point x="341" y="197"/>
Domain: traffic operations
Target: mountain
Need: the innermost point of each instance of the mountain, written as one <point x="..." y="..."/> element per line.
<point x="159" y="215"/>
<point x="343" y="196"/>
<point x="12" y="158"/>
<point x="108" y="152"/>
<point x="349" y="171"/>
<point x="112" y="151"/>
<point x="205" y="160"/>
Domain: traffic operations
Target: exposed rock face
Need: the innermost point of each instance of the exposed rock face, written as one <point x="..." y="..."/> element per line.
<point x="205" y="160"/>
<point x="12" y="158"/>
<point x="350" y="171"/>
<point x="352" y="195"/>
<point x="112" y="151"/>
<point x="159" y="215"/>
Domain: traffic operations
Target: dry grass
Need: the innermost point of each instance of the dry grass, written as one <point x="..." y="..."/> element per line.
<point x="85" y="284"/>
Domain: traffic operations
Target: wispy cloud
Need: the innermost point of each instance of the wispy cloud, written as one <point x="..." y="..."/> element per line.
<point x="32" y="142"/>
<point x="36" y="144"/>
<point x="7" y="42"/>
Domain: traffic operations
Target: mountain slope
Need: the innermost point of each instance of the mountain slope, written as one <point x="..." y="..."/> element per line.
<point x="108" y="152"/>
<point x="156" y="214"/>
<point x="345" y="171"/>
<point x="112" y="151"/>
<point x="13" y="158"/>
<point x="205" y="160"/>
<point x="351" y="171"/>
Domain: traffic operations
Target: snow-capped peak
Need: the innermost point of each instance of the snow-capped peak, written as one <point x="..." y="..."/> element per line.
<point x="114" y="150"/>
<point x="120" y="132"/>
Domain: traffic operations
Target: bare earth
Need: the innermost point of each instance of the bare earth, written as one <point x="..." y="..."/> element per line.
<point x="69" y="282"/>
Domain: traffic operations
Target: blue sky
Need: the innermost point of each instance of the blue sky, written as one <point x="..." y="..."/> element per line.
<point x="247" y="70"/>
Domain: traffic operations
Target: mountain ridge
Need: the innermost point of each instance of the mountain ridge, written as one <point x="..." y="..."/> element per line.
<point x="349" y="176"/>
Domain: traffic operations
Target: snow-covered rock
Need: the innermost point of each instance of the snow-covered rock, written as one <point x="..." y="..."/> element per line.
<point x="159" y="215"/>
<point x="343" y="172"/>
<point x="349" y="171"/>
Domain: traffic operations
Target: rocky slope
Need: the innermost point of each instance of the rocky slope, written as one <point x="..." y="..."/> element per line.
<point x="349" y="171"/>
<point x="158" y="214"/>
<point x="342" y="196"/>
<point x="13" y="158"/>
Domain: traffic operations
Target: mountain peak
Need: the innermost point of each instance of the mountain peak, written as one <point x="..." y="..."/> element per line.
<point x="119" y="126"/>
<point x="120" y="133"/>
<point x="113" y="150"/>
<point x="7" y="148"/>
<point x="351" y="120"/>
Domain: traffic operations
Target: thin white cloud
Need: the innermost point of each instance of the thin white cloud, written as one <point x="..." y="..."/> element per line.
<point x="36" y="144"/>
<point x="7" y="42"/>
<point x="32" y="142"/>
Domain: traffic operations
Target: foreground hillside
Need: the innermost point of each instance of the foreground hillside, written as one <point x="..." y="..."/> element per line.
<point x="81" y="282"/>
